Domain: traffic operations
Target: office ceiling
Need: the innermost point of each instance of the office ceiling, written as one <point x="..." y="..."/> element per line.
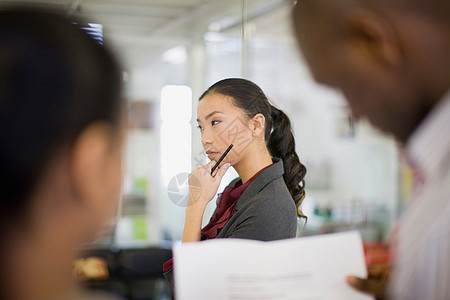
<point x="140" y="28"/>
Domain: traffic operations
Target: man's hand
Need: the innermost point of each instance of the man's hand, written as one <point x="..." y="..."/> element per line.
<point x="375" y="284"/>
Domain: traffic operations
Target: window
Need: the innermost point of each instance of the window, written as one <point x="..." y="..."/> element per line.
<point x="176" y="131"/>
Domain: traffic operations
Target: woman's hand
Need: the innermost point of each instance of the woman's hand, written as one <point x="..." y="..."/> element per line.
<point x="203" y="186"/>
<point x="375" y="284"/>
<point x="202" y="189"/>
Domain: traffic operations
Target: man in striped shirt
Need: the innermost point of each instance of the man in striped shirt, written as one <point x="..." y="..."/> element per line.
<point x="391" y="60"/>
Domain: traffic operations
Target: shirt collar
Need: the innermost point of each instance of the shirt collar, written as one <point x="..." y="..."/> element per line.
<point x="239" y="187"/>
<point x="267" y="175"/>
<point x="429" y="146"/>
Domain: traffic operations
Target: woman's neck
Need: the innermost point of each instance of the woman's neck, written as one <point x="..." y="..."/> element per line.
<point x="252" y="163"/>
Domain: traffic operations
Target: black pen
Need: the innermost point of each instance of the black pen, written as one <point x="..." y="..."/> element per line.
<point x="221" y="158"/>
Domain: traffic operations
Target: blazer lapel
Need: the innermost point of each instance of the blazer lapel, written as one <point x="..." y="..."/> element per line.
<point x="271" y="173"/>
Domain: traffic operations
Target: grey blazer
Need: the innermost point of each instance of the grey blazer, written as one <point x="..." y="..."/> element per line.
<point x="265" y="211"/>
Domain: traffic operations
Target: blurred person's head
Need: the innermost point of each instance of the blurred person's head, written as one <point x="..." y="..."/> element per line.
<point x="60" y="148"/>
<point x="388" y="57"/>
<point x="236" y="111"/>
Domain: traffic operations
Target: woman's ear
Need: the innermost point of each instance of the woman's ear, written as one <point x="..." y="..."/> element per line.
<point x="373" y="38"/>
<point x="95" y="169"/>
<point x="258" y="125"/>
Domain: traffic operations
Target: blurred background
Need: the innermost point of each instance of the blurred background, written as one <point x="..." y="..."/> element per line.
<point x="172" y="51"/>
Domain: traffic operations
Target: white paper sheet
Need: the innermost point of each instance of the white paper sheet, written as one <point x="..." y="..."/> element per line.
<point x="303" y="268"/>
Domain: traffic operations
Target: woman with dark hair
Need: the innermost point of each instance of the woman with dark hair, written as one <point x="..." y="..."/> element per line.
<point x="265" y="201"/>
<point x="61" y="136"/>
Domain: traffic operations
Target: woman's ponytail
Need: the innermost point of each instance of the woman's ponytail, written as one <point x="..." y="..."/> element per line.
<point x="281" y="143"/>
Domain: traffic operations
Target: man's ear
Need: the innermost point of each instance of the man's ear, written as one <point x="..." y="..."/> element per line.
<point x="374" y="37"/>
<point x="258" y="123"/>
<point x="89" y="162"/>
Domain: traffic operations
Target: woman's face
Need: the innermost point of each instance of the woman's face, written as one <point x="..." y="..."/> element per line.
<point x="221" y="123"/>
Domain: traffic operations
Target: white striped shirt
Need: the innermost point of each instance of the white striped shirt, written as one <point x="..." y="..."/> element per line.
<point x="423" y="251"/>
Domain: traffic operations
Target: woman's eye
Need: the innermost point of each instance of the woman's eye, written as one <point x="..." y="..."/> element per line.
<point x="214" y="122"/>
<point x="200" y="127"/>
